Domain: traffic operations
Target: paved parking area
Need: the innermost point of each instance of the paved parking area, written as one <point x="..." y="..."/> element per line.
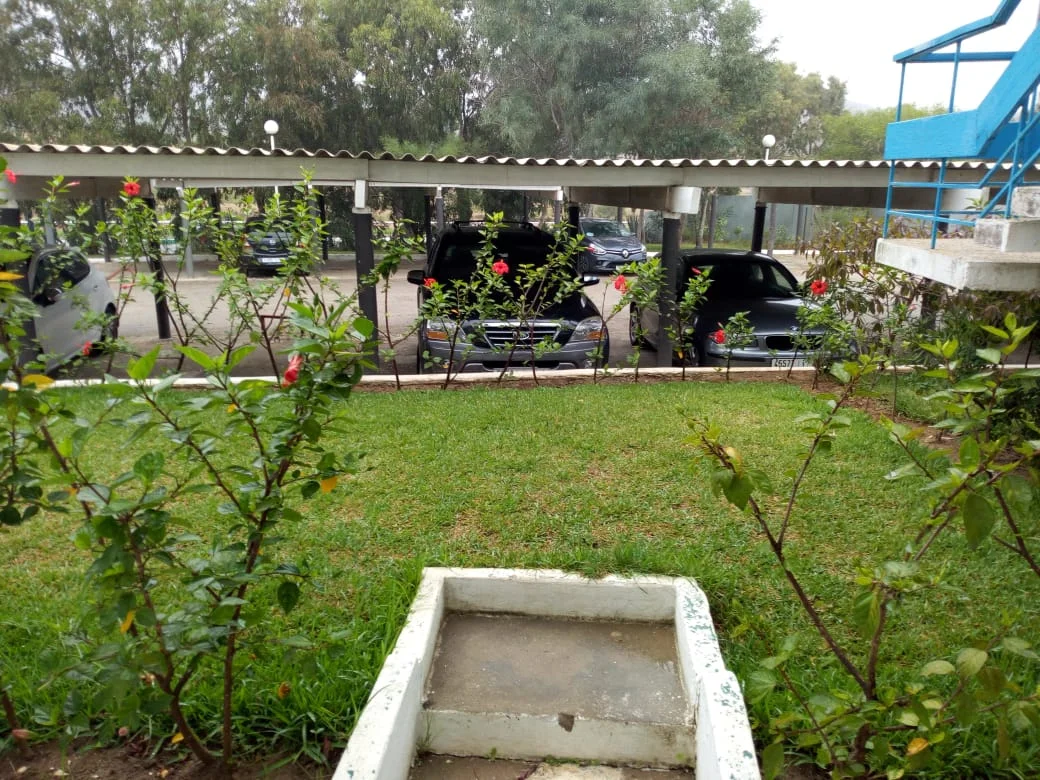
<point x="138" y="323"/>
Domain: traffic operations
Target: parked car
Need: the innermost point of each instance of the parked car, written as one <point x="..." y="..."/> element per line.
<point x="266" y="245"/>
<point x="573" y="325"/>
<point x="608" y="245"/>
<point x="64" y="288"/>
<point x="740" y="282"/>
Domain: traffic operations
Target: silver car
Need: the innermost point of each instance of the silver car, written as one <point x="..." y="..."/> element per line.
<point x="64" y="287"/>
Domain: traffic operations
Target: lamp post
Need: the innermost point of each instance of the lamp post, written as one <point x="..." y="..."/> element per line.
<point x="768" y="142"/>
<point x="271" y="128"/>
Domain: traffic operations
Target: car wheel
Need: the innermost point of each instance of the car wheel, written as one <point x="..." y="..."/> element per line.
<point x="584" y="264"/>
<point x="109" y="331"/>
<point x="634" y="337"/>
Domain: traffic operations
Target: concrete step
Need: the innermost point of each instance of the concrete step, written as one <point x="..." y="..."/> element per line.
<point x="1025" y="202"/>
<point x="1008" y="235"/>
<point x="532" y="687"/>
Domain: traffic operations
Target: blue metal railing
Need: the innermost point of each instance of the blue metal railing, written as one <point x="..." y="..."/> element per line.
<point x="1004" y="130"/>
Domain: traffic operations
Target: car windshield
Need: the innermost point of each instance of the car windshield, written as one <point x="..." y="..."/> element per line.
<point x="604" y="229"/>
<point x="258" y="229"/>
<point x="742" y="279"/>
<point x="458" y="261"/>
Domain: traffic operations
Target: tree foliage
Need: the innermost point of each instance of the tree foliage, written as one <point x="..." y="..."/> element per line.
<point x="652" y="78"/>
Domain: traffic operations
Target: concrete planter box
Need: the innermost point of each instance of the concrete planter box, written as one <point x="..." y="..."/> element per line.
<point x="697" y="720"/>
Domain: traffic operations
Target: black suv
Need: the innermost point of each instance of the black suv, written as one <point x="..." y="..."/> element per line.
<point x="572" y="326"/>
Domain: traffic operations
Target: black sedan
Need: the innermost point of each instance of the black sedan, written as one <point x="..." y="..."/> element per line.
<point x="740" y="282"/>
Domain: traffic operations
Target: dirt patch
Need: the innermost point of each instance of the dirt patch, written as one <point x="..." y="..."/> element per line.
<point x="133" y="761"/>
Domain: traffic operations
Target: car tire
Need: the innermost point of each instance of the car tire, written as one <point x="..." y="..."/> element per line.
<point x="584" y="264"/>
<point x="109" y="332"/>
<point x="634" y="337"/>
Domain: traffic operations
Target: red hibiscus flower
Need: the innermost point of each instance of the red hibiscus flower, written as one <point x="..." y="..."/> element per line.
<point x="131" y="189"/>
<point x="11" y="177"/>
<point x="500" y="267"/>
<point x="292" y="373"/>
<point x="429" y="282"/>
<point x="621" y="284"/>
<point x="88" y="347"/>
<point x="696" y="271"/>
<point x="818" y="287"/>
<point x="719" y="336"/>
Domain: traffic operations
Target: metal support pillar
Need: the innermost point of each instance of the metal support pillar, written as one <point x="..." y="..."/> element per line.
<point x="573" y="219"/>
<point x="438" y="203"/>
<point x="324" y="217"/>
<point x="101" y="215"/>
<point x="428" y="222"/>
<point x="669" y="280"/>
<point x="558" y="208"/>
<point x="365" y="263"/>
<point x="186" y="251"/>
<point x="713" y="204"/>
<point x="162" y="309"/>
<point x="759" y="230"/>
<point x="772" y="228"/>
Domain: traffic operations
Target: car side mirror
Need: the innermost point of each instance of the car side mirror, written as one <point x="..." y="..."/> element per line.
<point x="417" y="276"/>
<point x="588" y="280"/>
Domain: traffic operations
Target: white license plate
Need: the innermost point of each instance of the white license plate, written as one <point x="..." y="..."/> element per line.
<point x="791" y="362"/>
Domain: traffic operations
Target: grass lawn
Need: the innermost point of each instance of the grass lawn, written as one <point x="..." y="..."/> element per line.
<point x="593" y="479"/>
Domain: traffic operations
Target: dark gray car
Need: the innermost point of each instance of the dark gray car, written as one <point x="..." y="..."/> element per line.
<point x="740" y="282"/>
<point x="607" y="245"/>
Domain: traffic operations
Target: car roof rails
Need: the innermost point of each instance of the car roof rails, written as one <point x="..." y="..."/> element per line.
<point x="459" y="223"/>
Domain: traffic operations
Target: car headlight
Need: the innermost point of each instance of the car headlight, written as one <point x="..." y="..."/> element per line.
<point x="642" y="247"/>
<point x="441" y="330"/>
<point x="590" y="329"/>
<point x="596" y="249"/>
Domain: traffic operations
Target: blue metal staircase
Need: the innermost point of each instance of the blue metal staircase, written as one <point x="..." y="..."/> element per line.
<point x="1004" y="130"/>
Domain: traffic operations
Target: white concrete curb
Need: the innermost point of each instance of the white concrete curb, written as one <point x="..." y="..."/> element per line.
<point x="491" y="378"/>
<point x="393" y="723"/>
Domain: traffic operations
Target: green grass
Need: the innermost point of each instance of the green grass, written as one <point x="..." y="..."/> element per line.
<point x="592" y="479"/>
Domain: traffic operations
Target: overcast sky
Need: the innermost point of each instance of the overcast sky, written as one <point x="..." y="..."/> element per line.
<point x="855" y="41"/>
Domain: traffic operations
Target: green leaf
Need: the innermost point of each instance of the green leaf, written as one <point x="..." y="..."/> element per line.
<point x="989" y="355"/>
<point x="773" y="761"/>
<point x="1018" y="647"/>
<point x="867" y="612"/>
<point x="364" y="327"/>
<point x="198" y="357"/>
<point x="993" y="680"/>
<point x="238" y="355"/>
<point x="760" y="684"/>
<point x="141" y="368"/>
<point x="938" y="667"/>
<point x="970" y="660"/>
<point x="149" y="466"/>
<point x="738" y="491"/>
<point x="288" y="595"/>
<point x="969" y="453"/>
<point x="979" y="519"/>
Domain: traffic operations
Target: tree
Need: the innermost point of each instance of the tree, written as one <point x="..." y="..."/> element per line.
<point x="652" y="77"/>
<point x="861" y="136"/>
<point x="794" y="110"/>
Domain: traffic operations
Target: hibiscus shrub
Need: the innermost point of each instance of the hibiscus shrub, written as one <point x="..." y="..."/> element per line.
<point x="179" y="603"/>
